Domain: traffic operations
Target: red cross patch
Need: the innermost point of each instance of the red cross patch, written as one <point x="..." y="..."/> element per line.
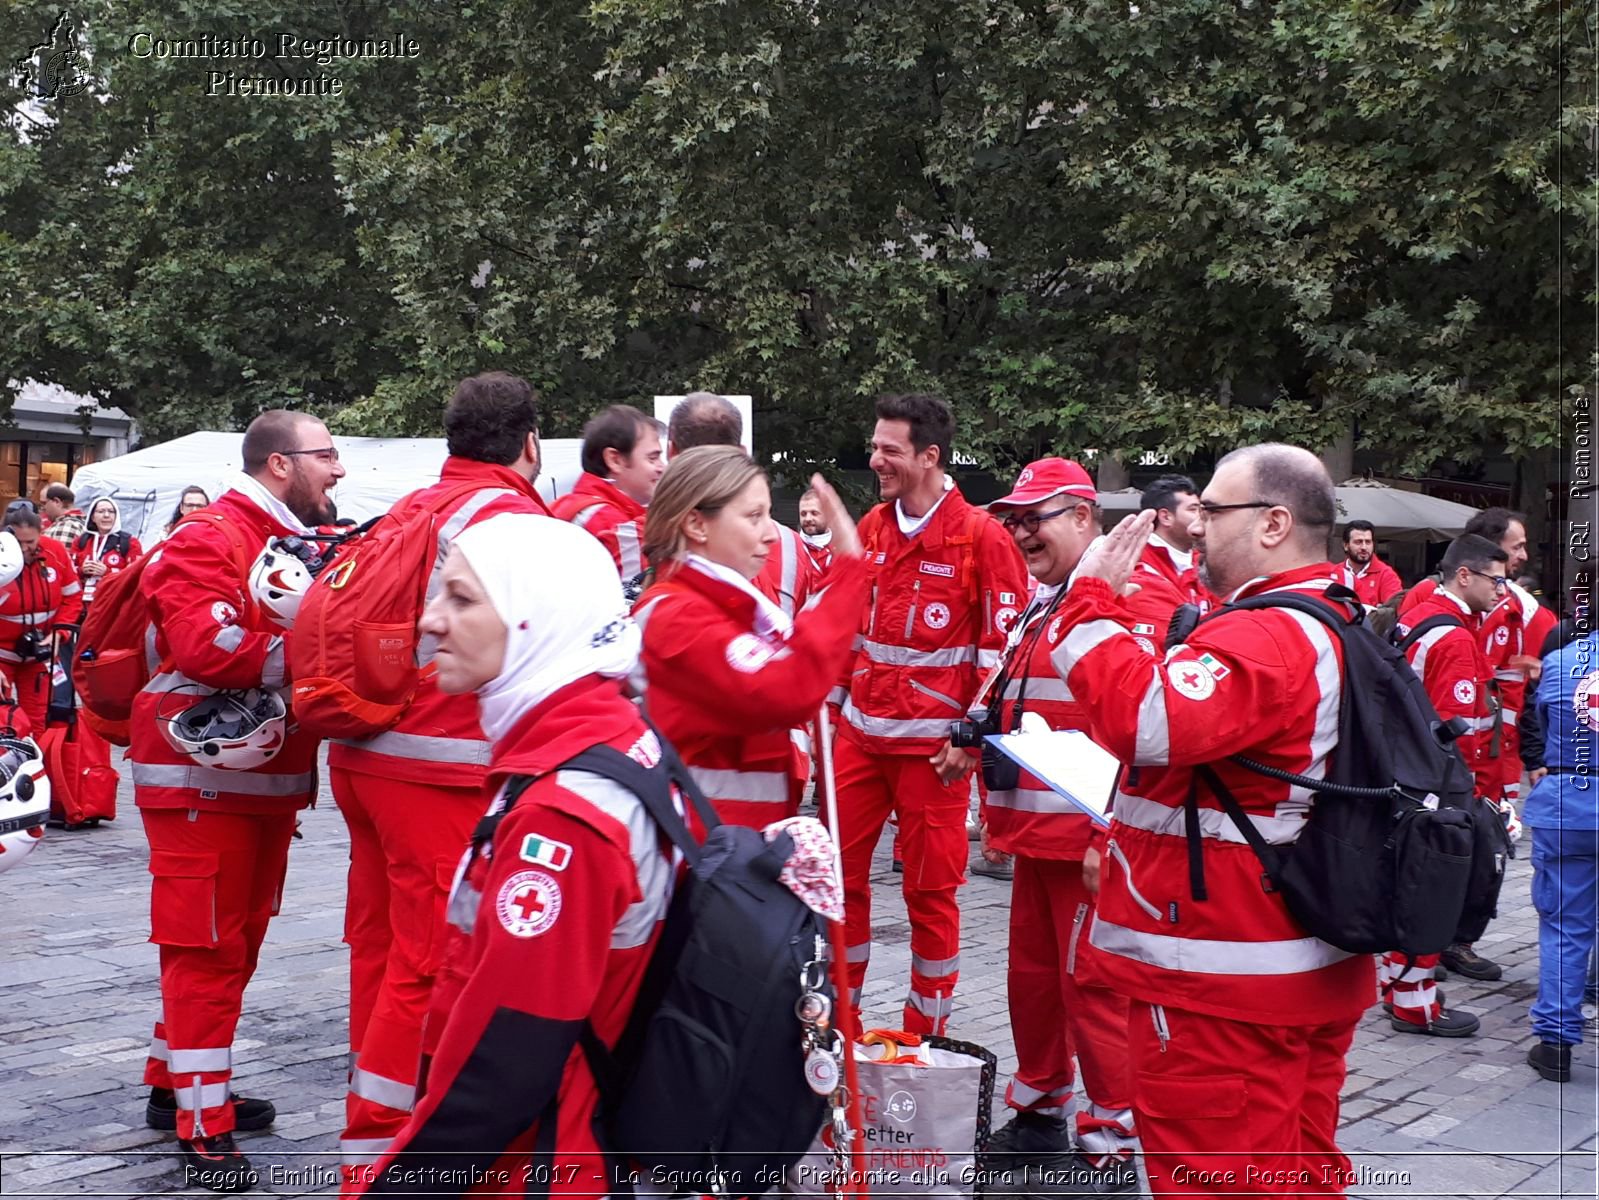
<point x="1586" y="702"/>
<point x="528" y="903"/>
<point x="1191" y="679"/>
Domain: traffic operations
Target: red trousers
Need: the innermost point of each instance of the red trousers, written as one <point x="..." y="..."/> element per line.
<point x="217" y="882"/>
<point x="933" y="845"/>
<point x="406" y="841"/>
<point x="32" y="681"/>
<point x="1061" y="1005"/>
<point x="1414" y="993"/>
<point x="1227" y="1108"/>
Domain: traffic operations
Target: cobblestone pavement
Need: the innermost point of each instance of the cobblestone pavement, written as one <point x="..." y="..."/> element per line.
<point x="78" y="992"/>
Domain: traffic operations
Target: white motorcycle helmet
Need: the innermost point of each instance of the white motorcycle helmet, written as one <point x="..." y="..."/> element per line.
<point x="279" y="581"/>
<point x="233" y="730"/>
<point x="24" y="798"/>
<point x="11" y="560"/>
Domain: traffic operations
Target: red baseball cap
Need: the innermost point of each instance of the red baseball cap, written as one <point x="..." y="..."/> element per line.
<point x="1045" y="478"/>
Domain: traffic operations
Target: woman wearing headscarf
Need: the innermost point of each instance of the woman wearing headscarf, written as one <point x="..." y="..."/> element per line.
<point x="728" y="673"/>
<point x="551" y="922"/>
<point x="104" y="548"/>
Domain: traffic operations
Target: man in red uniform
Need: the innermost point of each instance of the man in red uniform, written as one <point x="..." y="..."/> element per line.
<point x="1440" y="639"/>
<point x="622" y="463"/>
<point x="947" y="585"/>
<point x="1060" y="1006"/>
<point x="1373" y="580"/>
<point x="219" y="838"/>
<point x="44" y="597"/>
<point x="408" y="819"/>
<point x="1239" y="1021"/>
<point x="1169" y="564"/>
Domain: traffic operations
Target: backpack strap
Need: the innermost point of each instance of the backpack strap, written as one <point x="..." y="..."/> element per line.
<point x="1422" y="628"/>
<point x="1266" y="853"/>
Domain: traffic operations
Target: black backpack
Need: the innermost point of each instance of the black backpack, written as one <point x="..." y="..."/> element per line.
<point x="1397" y="853"/>
<point x="119" y="540"/>
<point x="705" y="1091"/>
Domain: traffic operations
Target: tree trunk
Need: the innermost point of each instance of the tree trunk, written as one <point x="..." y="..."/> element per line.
<point x="1339" y="459"/>
<point x="1110" y="474"/>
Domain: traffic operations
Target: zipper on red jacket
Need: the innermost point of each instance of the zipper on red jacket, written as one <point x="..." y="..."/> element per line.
<point x="1116" y="852"/>
<point x="871" y="626"/>
<point x="910" y="617"/>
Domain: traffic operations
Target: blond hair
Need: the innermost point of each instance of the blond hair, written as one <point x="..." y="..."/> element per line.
<point x="705" y="480"/>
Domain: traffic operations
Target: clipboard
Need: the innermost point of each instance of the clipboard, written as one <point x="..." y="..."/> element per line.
<point x="1072" y="764"/>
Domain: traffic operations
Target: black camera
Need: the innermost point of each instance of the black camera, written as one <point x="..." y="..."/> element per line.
<point x="308" y="552"/>
<point x="32" y="646"/>
<point x="969" y="734"/>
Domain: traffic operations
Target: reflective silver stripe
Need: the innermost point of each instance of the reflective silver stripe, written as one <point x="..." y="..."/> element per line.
<point x="217" y="1058"/>
<point x="1204" y="956"/>
<point x="930" y="1006"/>
<point x="467" y="751"/>
<point x="390" y="1093"/>
<point x="935" y="966"/>
<point x="30" y="618"/>
<point x="582" y="518"/>
<point x="628" y="549"/>
<point x="653" y="869"/>
<point x="801" y="740"/>
<point x="72" y="589"/>
<point x="1510" y="715"/>
<point x="1081" y="640"/>
<point x="1478" y="724"/>
<point x="159" y="1051"/>
<point x="361" y="1152"/>
<point x="755" y="787"/>
<point x="789" y="549"/>
<point x="273" y="671"/>
<point x="1330" y="686"/>
<point x="1419" y="648"/>
<point x="1022" y="1095"/>
<point x="904" y="656"/>
<point x="167" y="681"/>
<point x="1152" y="746"/>
<point x="858" y="954"/>
<point x="987" y="660"/>
<point x="837" y="694"/>
<point x="855" y="996"/>
<point x="207" y="1095"/>
<point x="1040" y="689"/>
<point x="939" y="696"/>
<point x="1509" y="675"/>
<point x="210" y="779"/>
<point x="891" y="727"/>
<point x="462" y="517"/>
<point x="228" y="638"/>
<point x="1033" y="800"/>
<point x="9" y="656"/>
<point x="1139" y="812"/>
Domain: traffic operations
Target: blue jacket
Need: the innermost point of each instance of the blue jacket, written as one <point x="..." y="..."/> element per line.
<point x="1567" y="702"/>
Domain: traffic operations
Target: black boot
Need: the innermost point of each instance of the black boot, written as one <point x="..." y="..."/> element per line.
<point x="1445" y="1024"/>
<point x="1551" y="1060"/>
<point x="1463" y="960"/>
<point x="249" y="1116"/>
<point x="216" y="1163"/>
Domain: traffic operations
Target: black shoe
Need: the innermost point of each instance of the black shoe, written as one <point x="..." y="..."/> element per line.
<point x="899" y="865"/>
<point x="216" y="1163"/>
<point x="1030" y="1137"/>
<point x="1388" y="1005"/>
<point x="1440" y="973"/>
<point x="249" y="1116"/>
<point x="1445" y="1024"/>
<point x="1113" y="1177"/>
<point x="1463" y="960"/>
<point x="1551" y="1060"/>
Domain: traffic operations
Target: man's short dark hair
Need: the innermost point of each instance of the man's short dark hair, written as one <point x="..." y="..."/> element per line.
<point x="1294" y="478"/>
<point x="617" y="427"/>
<point x="273" y="432"/>
<point x="1363" y="526"/>
<point x="1164" y="491"/>
<point x="1494" y="523"/>
<point x="21" y="518"/>
<point x="489" y="417"/>
<point x="705" y="419"/>
<point x="929" y="417"/>
<point x="1473" y="551"/>
<point x="60" y="493"/>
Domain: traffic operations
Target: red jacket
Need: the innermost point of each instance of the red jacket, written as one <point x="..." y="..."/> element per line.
<point x="1157" y="571"/>
<point x="1517" y="626"/>
<point x="91" y="547"/>
<point x="440" y="730"/>
<point x="611" y="515"/>
<point x="1374" y="583"/>
<point x="1264" y="683"/>
<point x="551" y="931"/>
<point x="1450" y="663"/>
<point x="942" y="603"/>
<point x="727" y="697"/>
<point x="210" y="636"/>
<point x="46" y="594"/>
<point x="790" y="574"/>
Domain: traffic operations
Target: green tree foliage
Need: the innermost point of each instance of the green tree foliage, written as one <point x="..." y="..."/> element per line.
<point x="1179" y="225"/>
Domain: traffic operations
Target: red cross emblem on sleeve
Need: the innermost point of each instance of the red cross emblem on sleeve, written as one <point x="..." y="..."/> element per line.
<point x="528" y="903"/>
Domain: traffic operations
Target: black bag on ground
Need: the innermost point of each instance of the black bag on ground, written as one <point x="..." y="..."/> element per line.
<point x="1397" y="853"/>
<point x="705" y="1091"/>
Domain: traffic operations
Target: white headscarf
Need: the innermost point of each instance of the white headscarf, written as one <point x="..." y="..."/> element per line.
<point x="557" y="591"/>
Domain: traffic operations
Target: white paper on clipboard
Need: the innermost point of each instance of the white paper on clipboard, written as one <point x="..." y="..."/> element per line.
<point x="1073" y="765"/>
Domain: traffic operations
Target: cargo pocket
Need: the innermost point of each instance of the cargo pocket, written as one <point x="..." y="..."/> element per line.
<point x="183" y="899"/>
<point x="385" y="661"/>
<point x="1192" y="1100"/>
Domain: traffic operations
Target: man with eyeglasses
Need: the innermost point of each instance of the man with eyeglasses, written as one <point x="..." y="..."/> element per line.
<point x="1440" y="639"/>
<point x="219" y="839"/>
<point x="1239" y="1020"/>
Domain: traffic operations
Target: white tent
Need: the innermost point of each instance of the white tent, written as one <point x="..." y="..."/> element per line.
<point x="147" y="483"/>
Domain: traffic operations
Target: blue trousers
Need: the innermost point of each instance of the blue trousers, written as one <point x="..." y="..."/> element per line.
<point x="1565" y="891"/>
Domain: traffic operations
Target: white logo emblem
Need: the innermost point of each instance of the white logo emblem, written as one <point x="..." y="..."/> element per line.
<point x="528" y="903"/>
<point x="224" y="613"/>
<point x="901" y="1106"/>
<point x="1144" y="644"/>
<point x="49" y="574"/>
<point x="1192" y="679"/>
<point x="1003" y="619"/>
<point x="748" y="653"/>
<point x="1054" y="629"/>
<point x="1465" y="692"/>
<point x="937" y="616"/>
<point x="1586" y="700"/>
<point x="1501" y="636"/>
<point x="1024" y="478"/>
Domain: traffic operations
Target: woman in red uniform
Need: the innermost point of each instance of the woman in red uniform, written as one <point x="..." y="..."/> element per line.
<point x="104" y="548"/>
<point x="551" y="923"/>
<point x="728" y="674"/>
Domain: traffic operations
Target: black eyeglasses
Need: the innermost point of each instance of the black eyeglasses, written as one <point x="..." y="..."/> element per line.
<point x="1031" y="521"/>
<point x="325" y="453"/>
<point x="1501" y="582"/>
<point x="1210" y="510"/>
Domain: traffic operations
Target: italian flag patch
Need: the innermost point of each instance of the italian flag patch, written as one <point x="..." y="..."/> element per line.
<point x="1214" y="666"/>
<point x="546" y="852"/>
